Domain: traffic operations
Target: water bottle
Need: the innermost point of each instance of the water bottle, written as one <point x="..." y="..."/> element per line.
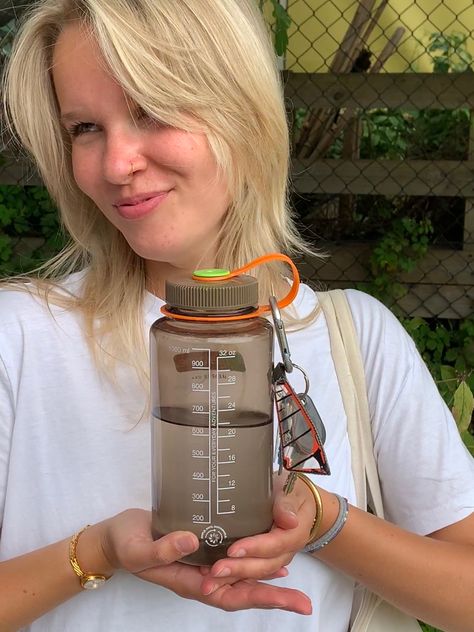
<point x="212" y="428"/>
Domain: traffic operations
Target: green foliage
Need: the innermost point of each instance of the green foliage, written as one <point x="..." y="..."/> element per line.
<point x="386" y="134"/>
<point x="428" y="628"/>
<point x="281" y="25"/>
<point x="398" y="251"/>
<point x="448" y="350"/>
<point x="449" y="52"/>
<point x="7" y="33"/>
<point x="27" y="216"/>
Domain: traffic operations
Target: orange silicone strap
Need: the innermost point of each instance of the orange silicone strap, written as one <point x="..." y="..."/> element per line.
<point x="284" y="302"/>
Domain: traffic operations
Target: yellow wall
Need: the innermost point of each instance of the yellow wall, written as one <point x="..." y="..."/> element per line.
<point x="319" y="26"/>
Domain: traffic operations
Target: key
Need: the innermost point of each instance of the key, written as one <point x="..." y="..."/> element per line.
<point x="290" y="483"/>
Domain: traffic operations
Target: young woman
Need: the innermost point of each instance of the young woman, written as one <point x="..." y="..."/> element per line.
<point x="159" y="129"/>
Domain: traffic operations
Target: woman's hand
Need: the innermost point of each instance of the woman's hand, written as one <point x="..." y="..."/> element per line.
<point x="127" y="544"/>
<point x="266" y="555"/>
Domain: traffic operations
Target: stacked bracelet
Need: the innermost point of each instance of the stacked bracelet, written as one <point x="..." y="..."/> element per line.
<point x="319" y="506"/>
<point x="327" y="537"/>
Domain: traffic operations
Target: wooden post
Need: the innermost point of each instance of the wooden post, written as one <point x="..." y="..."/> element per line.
<point x="468" y="240"/>
<point x="351" y="151"/>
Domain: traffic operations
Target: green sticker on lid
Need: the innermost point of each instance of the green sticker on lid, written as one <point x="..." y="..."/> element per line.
<point x="210" y="273"/>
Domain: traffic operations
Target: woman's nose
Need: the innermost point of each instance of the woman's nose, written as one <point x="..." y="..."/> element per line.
<point x="122" y="159"/>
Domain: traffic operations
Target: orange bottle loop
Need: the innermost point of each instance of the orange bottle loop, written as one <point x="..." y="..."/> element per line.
<point x="212" y="275"/>
<point x="201" y="275"/>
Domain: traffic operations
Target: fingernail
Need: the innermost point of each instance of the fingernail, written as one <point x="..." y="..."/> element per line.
<point x="185" y="545"/>
<point x="289" y="510"/>
<point x="238" y="553"/>
<point x="210" y="589"/>
<point x="222" y="572"/>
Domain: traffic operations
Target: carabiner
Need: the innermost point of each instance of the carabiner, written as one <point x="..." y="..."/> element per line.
<point x="281" y="335"/>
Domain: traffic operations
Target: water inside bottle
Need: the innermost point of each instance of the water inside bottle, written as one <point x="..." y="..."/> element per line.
<point x="215" y="482"/>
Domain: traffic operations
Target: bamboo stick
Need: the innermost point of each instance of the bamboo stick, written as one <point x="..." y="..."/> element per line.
<point x="327" y="140"/>
<point x="388" y="50"/>
<point x="315" y="119"/>
<point x="319" y="130"/>
<point x="320" y="121"/>
<point x="325" y="130"/>
<point x="341" y="61"/>
<point x="374" y="20"/>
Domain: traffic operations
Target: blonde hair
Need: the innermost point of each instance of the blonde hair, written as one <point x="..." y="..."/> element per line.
<point x="211" y="59"/>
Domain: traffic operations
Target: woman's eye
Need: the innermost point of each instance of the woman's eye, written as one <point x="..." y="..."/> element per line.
<point x="79" y="128"/>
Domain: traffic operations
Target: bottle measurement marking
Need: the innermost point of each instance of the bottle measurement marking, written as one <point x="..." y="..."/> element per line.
<point x="212" y="386"/>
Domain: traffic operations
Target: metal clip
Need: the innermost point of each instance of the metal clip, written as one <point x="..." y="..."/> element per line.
<point x="281" y="335"/>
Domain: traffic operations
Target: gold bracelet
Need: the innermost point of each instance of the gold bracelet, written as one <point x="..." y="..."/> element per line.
<point x="89" y="581"/>
<point x="313" y="533"/>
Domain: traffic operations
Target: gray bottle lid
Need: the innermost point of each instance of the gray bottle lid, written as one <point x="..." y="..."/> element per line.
<point x="236" y="293"/>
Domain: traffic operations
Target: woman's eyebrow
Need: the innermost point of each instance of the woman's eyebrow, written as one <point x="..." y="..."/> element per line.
<point x="66" y="117"/>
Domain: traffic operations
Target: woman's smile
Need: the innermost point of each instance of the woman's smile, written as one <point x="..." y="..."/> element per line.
<point x="140" y="206"/>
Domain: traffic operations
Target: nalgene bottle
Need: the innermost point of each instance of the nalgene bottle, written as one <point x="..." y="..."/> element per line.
<point x="212" y="429"/>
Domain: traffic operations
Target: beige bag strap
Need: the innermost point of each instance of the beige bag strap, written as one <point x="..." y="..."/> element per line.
<point x="351" y="377"/>
<point x="372" y="614"/>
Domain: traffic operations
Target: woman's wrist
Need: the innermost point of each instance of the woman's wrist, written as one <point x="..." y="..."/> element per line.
<point x="330" y="509"/>
<point x="318" y="543"/>
<point x="91" y="550"/>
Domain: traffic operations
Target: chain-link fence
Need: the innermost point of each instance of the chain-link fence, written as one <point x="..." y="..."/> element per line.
<point x="381" y="94"/>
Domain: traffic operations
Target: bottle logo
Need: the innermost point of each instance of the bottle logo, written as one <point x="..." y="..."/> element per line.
<point x="213" y="535"/>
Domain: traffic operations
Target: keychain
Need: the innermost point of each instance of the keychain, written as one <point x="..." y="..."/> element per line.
<point x="301" y="429"/>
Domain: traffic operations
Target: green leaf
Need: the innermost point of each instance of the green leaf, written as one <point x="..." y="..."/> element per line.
<point x="463" y="406"/>
<point x="447" y="373"/>
<point x="468" y="439"/>
<point x="282" y="24"/>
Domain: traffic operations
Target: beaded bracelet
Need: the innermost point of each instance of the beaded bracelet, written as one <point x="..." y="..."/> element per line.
<point x="327" y="537"/>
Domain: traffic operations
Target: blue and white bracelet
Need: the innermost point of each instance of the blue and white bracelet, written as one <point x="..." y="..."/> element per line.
<point x="327" y="537"/>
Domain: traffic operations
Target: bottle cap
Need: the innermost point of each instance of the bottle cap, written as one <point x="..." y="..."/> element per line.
<point x="235" y="294"/>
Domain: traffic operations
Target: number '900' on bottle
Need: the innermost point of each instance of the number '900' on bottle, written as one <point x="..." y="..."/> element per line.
<point x="212" y="427"/>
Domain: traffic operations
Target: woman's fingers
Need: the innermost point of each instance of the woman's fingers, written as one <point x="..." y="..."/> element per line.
<point x="127" y="542"/>
<point x="185" y="580"/>
<point x="274" y="544"/>
<point x="143" y="554"/>
<point x="255" y="569"/>
<point x="248" y="594"/>
<point x="249" y="568"/>
<point x="293" y="517"/>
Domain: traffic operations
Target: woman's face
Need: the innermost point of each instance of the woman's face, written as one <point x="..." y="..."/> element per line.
<point x="158" y="185"/>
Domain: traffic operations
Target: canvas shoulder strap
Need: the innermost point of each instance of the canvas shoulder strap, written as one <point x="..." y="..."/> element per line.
<point x="351" y="377"/>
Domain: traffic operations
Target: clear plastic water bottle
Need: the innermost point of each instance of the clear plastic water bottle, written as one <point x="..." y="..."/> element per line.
<point x="212" y="427"/>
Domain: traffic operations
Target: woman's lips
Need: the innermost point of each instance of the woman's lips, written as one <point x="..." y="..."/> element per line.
<point x="141" y="207"/>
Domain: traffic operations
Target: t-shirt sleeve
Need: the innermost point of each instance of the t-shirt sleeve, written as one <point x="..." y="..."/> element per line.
<point x="6" y="429"/>
<point x="426" y="472"/>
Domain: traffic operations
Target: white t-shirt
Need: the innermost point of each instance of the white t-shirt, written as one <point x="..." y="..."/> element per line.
<point x="73" y="452"/>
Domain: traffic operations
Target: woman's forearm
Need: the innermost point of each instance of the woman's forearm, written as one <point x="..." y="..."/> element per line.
<point x="431" y="579"/>
<point x="37" y="582"/>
